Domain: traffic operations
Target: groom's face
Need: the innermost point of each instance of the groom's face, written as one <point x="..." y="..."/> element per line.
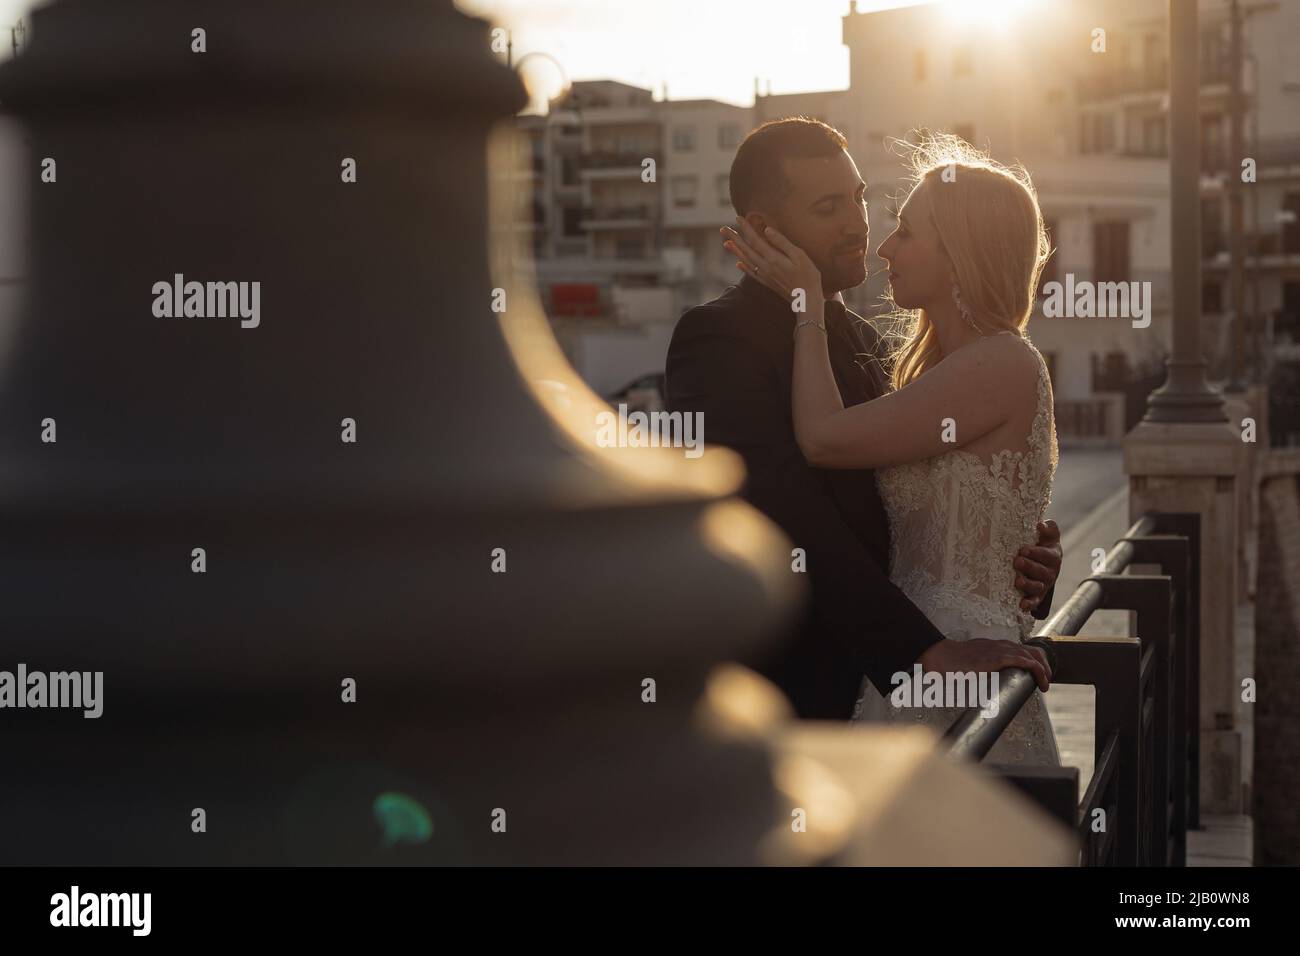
<point x="825" y="214"/>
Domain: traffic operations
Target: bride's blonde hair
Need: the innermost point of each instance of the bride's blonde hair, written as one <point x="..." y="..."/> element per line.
<point x="991" y="228"/>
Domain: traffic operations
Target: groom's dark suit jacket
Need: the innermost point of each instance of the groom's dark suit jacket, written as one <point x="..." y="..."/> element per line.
<point x="732" y="359"/>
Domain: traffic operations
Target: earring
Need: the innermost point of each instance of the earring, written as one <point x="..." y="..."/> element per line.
<point x="962" y="308"/>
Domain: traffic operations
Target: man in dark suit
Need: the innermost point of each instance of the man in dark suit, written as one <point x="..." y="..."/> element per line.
<point x="732" y="359"/>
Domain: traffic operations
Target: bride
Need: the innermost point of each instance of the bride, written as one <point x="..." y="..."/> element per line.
<point x="964" y="444"/>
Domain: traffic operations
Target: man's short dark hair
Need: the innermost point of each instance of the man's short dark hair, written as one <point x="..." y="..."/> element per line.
<point x="757" y="177"/>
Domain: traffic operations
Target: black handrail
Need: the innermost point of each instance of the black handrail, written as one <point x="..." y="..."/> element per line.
<point x="1142" y="797"/>
<point x="973" y="734"/>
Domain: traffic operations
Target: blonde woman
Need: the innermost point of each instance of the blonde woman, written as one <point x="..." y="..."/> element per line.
<point x="964" y="444"/>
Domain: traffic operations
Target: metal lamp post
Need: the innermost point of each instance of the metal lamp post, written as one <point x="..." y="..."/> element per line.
<point x="1185" y="396"/>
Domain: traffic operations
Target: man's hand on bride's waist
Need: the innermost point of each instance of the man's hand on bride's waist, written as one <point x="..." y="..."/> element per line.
<point x="1038" y="566"/>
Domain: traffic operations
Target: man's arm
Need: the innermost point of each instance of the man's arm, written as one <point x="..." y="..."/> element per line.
<point x="745" y="408"/>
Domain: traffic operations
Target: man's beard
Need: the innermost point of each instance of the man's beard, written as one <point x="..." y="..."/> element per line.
<point x="841" y="277"/>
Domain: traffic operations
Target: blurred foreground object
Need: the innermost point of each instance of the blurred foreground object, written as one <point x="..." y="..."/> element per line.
<point x="498" y="717"/>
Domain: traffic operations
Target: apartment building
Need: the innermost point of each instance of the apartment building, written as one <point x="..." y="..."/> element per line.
<point x="1087" y="114"/>
<point x="619" y="200"/>
<point x="619" y="256"/>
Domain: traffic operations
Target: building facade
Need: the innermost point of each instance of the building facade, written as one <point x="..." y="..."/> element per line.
<point x="1076" y="91"/>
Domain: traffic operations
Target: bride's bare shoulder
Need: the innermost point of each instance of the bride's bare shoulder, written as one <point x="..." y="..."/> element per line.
<point x="1004" y="369"/>
<point x="1003" y="354"/>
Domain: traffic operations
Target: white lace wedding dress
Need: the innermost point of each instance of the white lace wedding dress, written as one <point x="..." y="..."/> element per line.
<point x="956" y="522"/>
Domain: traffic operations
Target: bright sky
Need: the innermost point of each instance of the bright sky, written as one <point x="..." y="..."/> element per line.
<point x="11" y="11"/>
<point x="701" y="48"/>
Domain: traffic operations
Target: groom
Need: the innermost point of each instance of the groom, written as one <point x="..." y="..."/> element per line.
<point x="732" y="360"/>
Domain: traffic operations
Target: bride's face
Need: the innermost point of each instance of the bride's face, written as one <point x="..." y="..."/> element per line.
<point x="918" y="266"/>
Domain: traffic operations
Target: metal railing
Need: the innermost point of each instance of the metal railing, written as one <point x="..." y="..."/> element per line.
<point x="1143" y="796"/>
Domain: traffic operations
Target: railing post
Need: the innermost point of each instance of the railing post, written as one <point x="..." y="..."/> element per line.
<point x="1113" y="666"/>
<point x="1189" y="525"/>
<point x="1173" y="554"/>
<point x="1055" y="789"/>
<point x="1151" y="596"/>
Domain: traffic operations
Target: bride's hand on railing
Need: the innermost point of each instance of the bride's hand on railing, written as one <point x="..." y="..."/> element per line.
<point x="982" y="654"/>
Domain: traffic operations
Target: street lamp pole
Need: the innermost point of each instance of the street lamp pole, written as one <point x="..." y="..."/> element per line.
<point x="565" y="87"/>
<point x="17" y="36"/>
<point x="1185" y="396"/>
<point x="1236" y="120"/>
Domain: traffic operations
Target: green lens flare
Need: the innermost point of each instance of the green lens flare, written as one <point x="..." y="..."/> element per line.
<point x="402" y="818"/>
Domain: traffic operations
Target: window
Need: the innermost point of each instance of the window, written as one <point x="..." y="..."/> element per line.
<point x="1214" y="56"/>
<point x="629" y="249"/>
<point x="1212" y="144"/>
<point x="1288" y="317"/>
<point x="571" y="219"/>
<point x="1153" y="61"/>
<point x="1211" y="295"/>
<point x="963" y="61"/>
<point x="1097" y="132"/>
<point x="684" y="139"/>
<point x="1110" y="260"/>
<point x="918" y="66"/>
<point x="1290" y="219"/>
<point x="1212" y="240"/>
<point x="728" y="136"/>
<point x="569" y="172"/>
<point x="1153" y="136"/>
<point x="1110" y="372"/>
<point x="684" y="188"/>
<point x="723" y="183"/>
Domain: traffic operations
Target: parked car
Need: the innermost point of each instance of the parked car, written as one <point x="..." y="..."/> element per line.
<point x="645" y="394"/>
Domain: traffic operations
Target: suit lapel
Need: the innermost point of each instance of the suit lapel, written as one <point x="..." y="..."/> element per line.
<point x="853" y="344"/>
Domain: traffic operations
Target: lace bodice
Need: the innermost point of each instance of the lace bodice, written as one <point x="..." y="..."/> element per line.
<point x="958" y="519"/>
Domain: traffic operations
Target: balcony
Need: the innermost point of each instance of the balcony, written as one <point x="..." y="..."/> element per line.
<point x="614" y="165"/>
<point x="1150" y="81"/>
<point x="1116" y="83"/>
<point x="1272" y="152"/>
<point x="568" y="246"/>
<point x="1266" y="250"/>
<point x="640" y="216"/>
<point x="567" y="138"/>
<point x="619" y="115"/>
